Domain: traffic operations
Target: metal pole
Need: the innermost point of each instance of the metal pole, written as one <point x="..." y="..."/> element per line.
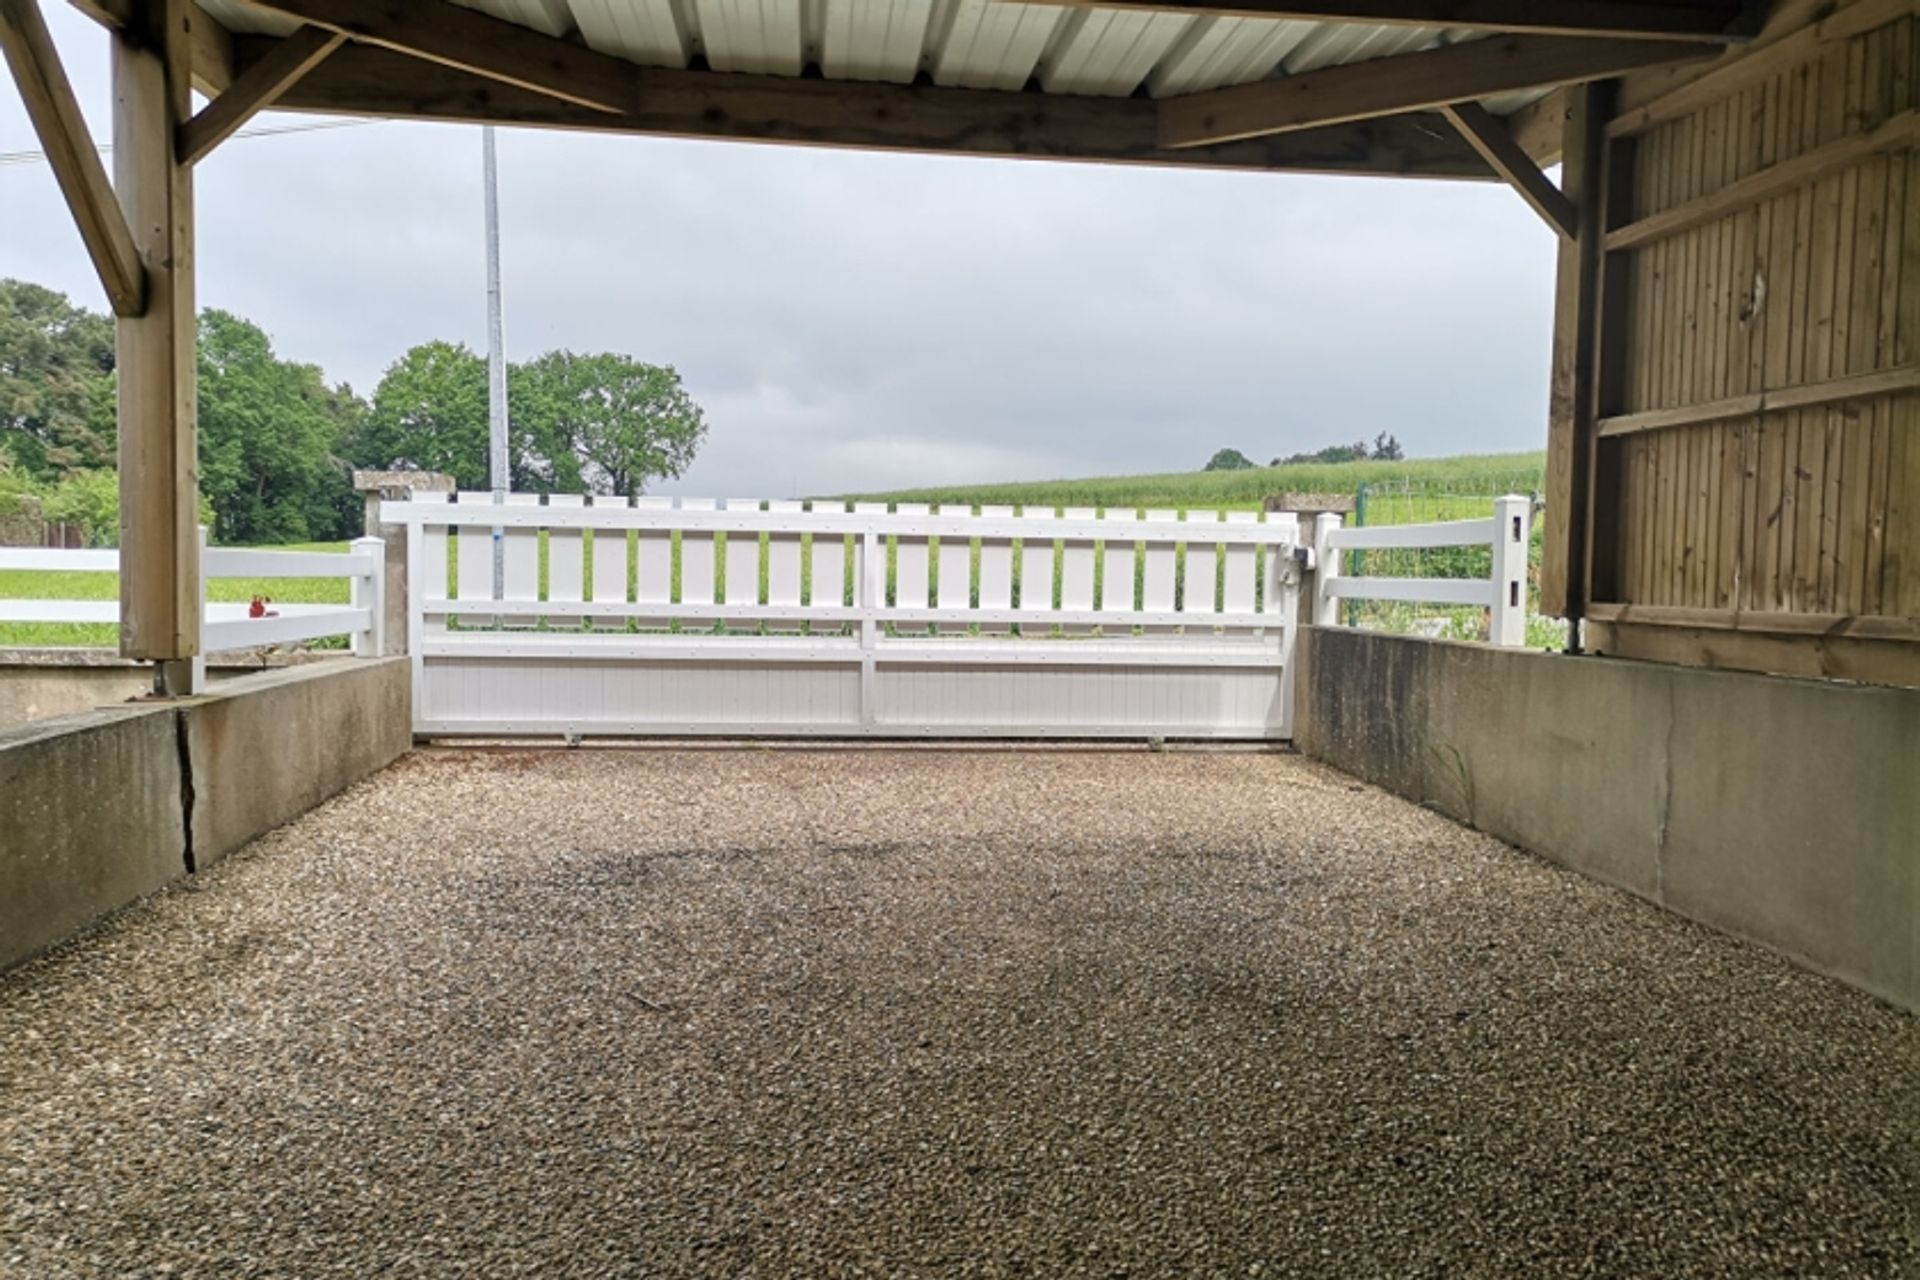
<point x="496" y="360"/>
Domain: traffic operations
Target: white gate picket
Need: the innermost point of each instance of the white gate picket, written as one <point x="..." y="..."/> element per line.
<point x="1076" y="572"/>
<point x="1159" y="573"/>
<point x="1116" y="573"/>
<point x="1242" y="573"/>
<point x="743" y="557"/>
<point x="783" y="567"/>
<point x="566" y="563"/>
<point x="955" y="585"/>
<point x="1197" y="588"/>
<point x="609" y="564"/>
<point x="1038" y="571"/>
<point x="996" y="572"/>
<point x="911" y="555"/>
<point x="653" y="562"/>
<point x="696" y="562"/>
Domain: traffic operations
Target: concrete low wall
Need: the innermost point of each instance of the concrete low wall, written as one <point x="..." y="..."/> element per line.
<point x="90" y="819"/>
<point x="39" y="683"/>
<point x="99" y="808"/>
<point x="269" y="746"/>
<point x="1786" y="811"/>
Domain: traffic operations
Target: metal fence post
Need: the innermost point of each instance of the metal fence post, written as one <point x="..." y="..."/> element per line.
<point x="1511" y="535"/>
<point x="1326" y="567"/>
<point x="368" y="591"/>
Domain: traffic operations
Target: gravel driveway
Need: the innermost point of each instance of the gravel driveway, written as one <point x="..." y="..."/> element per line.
<point x="740" y="1012"/>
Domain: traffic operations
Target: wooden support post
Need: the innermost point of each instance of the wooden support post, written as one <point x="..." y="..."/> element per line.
<point x="159" y="471"/>
<point x="1570" y="415"/>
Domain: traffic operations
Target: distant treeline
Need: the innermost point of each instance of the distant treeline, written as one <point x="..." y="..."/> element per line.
<point x="278" y="443"/>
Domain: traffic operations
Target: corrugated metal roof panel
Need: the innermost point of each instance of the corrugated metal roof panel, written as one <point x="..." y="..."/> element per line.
<point x="758" y="37"/>
<point x="980" y="44"/>
<point x="653" y="33"/>
<point x="1334" y="44"/>
<point x="975" y="44"/>
<point x="874" y="39"/>
<point x="245" y="19"/>
<point x="1222" y="51"/>
<point x="551" y="17"/>
<point x="1108" y="52"/>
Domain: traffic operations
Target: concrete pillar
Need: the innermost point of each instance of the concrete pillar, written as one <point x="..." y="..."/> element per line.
<point x="397" y="485"/>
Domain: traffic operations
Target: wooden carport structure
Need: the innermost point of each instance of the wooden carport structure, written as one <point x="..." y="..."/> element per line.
<point x="1734" y="478"/>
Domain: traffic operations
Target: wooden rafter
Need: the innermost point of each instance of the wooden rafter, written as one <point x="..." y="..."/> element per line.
<point x="256" y="90"/>
<point x="468" y="40"/>
<point x="1714" y="21"/>
<point x="70" y="151"/>
<point x="1486" y="134"/>
<point x="1470" y="70"/>
<point x="358" y="80"/>
<point x="211" y="46"/>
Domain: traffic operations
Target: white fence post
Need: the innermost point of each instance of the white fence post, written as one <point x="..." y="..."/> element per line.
<point x="1326" y="567"/>
<point x="1511" y="515"/>
<point x="369" y="591"/>
<point x="870" y="594"/>
<point x="197" y="672"/>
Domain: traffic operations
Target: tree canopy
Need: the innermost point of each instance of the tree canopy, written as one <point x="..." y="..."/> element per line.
<point x="56" y="403"/>
<point x="1229" y="460"/>
<point x="277" y="441"/>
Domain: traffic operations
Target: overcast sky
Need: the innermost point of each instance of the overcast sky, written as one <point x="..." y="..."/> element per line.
<point x="856" y="321"/>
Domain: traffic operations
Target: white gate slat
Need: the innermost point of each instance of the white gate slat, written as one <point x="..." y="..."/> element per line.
<point x="1117" y="571"/>
<point x="783" y="564"/>
<point x="1158" y="575"/>
<point x="566" y="562"/>
<point x="1037" y="568"/>
<point x="520" y="558"/>
<point x="1241" y="573"/>
<point x="954" y="590"/>
<point x="1197" y="588"/>
<point x="653" y="558"/>
<point x="609" y="564"/>
<point x="910" y="562"/>
<point x="743" y="561"/>
<point x="1076" y="573"/>
<point x="996" y="571"/>
<point x="696" y="558"/>
<point x="474" y="552"/>
<point x="827" y="581"/>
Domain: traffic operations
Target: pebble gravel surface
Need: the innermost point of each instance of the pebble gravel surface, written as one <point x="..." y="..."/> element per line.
<point x="738" y="1012"/>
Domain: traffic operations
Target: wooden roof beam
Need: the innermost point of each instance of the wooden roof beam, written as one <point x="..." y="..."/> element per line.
<point x="255" y="90"/>
<point x="56" y="117"/>
<point x="1712" y="21"/>
<point x="1467" y="71"/>
<point x="359" y="80"/>
<point x="1488" y="135"/>
<point x="468" y="40"/>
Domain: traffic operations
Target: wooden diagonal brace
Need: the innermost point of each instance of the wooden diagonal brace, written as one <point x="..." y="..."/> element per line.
<point x="76" y="164"/>
<point x="255" y="90"/>
<point x="1486" y="134"/>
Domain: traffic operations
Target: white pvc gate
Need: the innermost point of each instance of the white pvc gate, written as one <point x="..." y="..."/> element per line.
<point x="752" y="618"/>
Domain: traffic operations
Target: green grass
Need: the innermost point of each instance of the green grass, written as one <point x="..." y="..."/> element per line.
<point x="35" y="584"/>
<point x="1244" y="490"/>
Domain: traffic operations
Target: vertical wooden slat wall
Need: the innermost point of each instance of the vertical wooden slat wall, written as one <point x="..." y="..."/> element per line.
<point x="1756" y="493"/>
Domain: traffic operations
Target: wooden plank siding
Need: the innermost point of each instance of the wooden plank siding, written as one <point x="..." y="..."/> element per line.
<point x="1756" y="467"/>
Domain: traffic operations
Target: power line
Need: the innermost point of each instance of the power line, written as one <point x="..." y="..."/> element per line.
<point x="265" y="131"/>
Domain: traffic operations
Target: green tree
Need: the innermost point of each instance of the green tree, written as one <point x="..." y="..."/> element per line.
<point x="430" y="414"/>
<point x="269" y="433"/>
<point x="602" y="422"/>
<point x="1229" y="460"/>
<point x="56" y="397"/>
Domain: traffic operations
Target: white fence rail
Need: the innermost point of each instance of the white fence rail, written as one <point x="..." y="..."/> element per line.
<point x="1503" y="593"/>
<point x="228" y="626"/>
<point x="754" y="617"/>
